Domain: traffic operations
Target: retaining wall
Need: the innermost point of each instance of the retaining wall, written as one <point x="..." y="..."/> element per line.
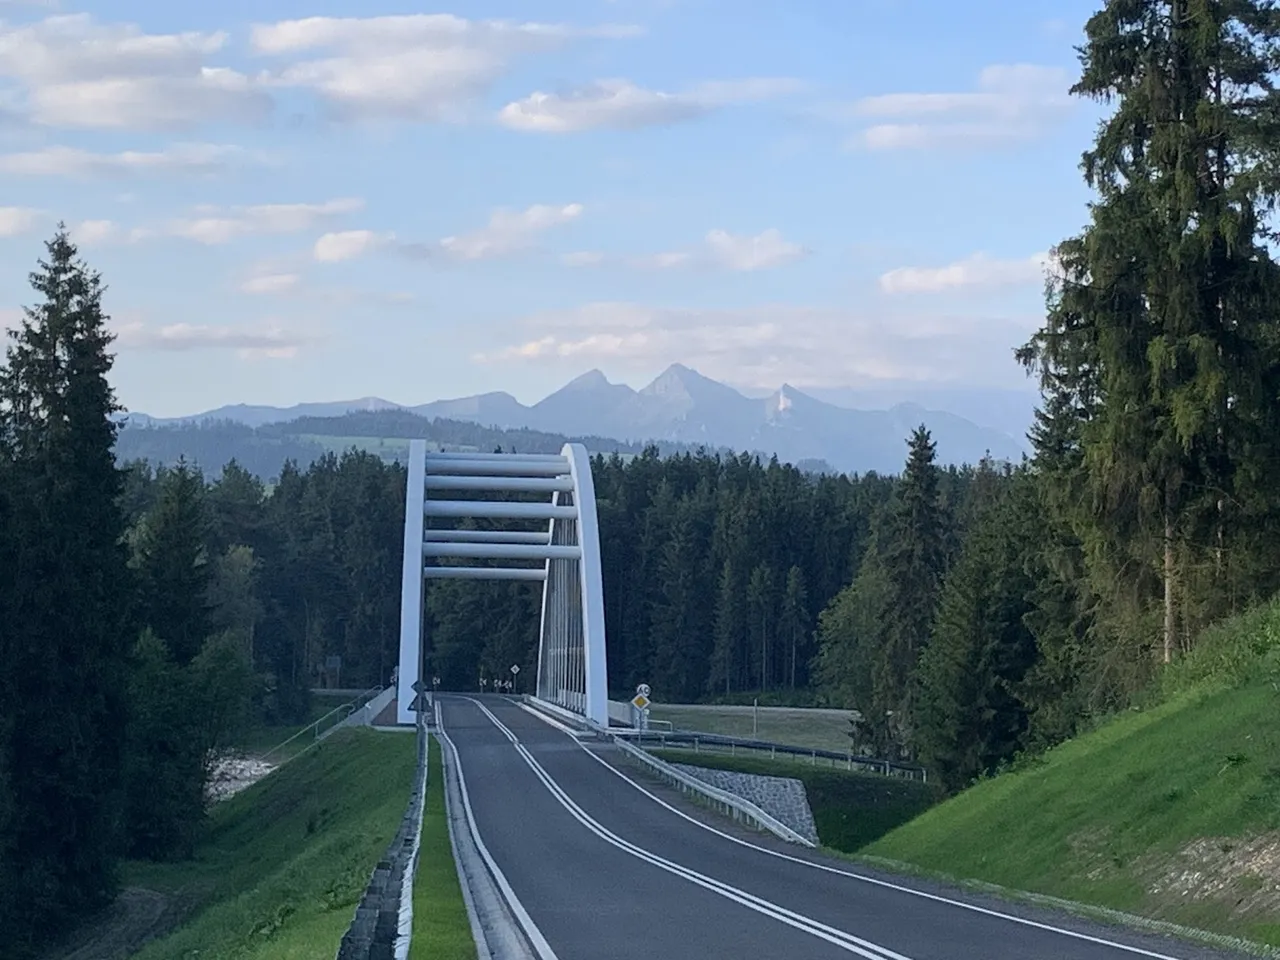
<point x="781" y="797"/>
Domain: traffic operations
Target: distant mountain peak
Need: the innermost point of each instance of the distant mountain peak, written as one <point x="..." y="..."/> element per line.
<point x="591" y="380"/>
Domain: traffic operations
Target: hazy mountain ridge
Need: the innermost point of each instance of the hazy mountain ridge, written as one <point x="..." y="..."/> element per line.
<point x="683" y="407"/>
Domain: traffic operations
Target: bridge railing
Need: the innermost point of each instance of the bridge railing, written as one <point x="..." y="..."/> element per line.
<point x="719" y="743"/>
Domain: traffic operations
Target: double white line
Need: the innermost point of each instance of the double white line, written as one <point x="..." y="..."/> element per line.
<point x="822" y="931"/>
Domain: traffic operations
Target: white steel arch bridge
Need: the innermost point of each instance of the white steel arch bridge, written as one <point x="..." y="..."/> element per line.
<point x="572" y="670"/>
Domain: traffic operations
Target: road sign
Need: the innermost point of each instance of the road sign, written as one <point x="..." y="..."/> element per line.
<point x="515" y="668"/>
<point x="417" y="686"/>
<point x="644" y="690"/>
<point x="639" y="701"/>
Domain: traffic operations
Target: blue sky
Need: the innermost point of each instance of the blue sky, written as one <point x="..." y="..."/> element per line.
<point x="418" y="202"/>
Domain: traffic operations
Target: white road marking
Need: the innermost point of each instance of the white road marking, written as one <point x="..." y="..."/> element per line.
<point x="873" y="881"/>
<point x="536" y="939"/>
<point x="832" y="935"/>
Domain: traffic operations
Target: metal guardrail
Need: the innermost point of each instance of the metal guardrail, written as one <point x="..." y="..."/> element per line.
<point x="346" y="709"/>
<point x="381" y="927"/>
<point x="720" y="743"/>
<point x="735" y="806"/>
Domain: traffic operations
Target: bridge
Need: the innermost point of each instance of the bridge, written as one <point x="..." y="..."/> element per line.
<point x="572" y="843"/>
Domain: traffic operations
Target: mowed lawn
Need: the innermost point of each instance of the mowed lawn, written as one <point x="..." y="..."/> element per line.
<point x="816" y="728"/>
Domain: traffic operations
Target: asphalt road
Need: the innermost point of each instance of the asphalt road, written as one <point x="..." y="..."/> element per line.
<point x="609" y="866"/>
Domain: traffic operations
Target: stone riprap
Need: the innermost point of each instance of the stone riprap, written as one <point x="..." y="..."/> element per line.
<point x="780" y="797"/>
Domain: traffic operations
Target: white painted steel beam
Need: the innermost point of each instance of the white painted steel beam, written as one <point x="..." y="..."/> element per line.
<point x="594" y="668"/>
<point x="498" y="509"/>
<point x="501" y="551"/>
<point x="443" y="456"/>
<point x="487" y="536"/>
<point x="503" y="484"/>
<point x="496" y="468"/>
<point x="484" y="573"/>
<point x="411" y="582"/>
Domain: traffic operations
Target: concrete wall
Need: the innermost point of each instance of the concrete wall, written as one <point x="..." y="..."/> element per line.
<point x="781" y="797"/>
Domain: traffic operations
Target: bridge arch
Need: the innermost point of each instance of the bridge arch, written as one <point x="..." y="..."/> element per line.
<point x="572" y="672"/>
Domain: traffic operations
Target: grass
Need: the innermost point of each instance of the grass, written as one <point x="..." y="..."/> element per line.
<point x="850" y="809"/>
<point x="441" y="927"/>
<point x="1172" y="812"/>
<point x="797" y="726"/>
<point x="284" y="863"/>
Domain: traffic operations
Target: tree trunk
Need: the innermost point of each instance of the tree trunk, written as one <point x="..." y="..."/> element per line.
<point x="1168" y="578"/>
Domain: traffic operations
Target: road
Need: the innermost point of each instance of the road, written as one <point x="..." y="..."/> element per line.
<point x="608" y="865"/>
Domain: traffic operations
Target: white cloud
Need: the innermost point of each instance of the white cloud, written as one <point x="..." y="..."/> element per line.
<point x="271" y="283"/>
<point x="509" y="231"/>
<point x="761" y="252"/>
<point x="214" y="225"/>
<point x="765" y="346"/>
<point x="1012" y="103"/>
<point x="270" y="341"/>
<point x="621" y="105"/>
<point x="978" y="271"/>
<point x="720" y="250"/>
<point x="75" y="72"/>
<point x="349" y="244"/>
<point x="200" y="159"/>
<point x="88" y="233"/>
<point x="413" y="67"/>
<point x="15" y="221"/>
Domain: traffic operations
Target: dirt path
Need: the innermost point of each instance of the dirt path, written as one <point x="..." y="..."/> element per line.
<point x="137" y="917"/>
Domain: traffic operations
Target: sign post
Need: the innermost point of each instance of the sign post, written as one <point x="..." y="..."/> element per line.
<point x="515" y="669"/>
<point x="640" y="707"/>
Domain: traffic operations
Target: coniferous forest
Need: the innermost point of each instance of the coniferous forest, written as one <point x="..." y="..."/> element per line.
<point x="970" y="616"/>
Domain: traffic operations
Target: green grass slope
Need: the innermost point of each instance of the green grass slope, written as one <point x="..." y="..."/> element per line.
<point x="1172" y="812"/>
<point x="284" y="863"/>
<point x="850" y="809"/>
<point x="441" y="927"/>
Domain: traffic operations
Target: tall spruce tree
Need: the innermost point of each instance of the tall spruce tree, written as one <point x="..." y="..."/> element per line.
<point x="173" y="563"/>
<point x="914" y="562"/>
<point x="68" y="622"/>
<point x="1162" y="313"/>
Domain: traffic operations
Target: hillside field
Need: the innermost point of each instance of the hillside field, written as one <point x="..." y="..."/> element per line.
<point x="802" y="727"/>
<point x="1172" y="812"/>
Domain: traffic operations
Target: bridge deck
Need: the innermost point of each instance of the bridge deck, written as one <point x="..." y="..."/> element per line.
<point x="590" y="898"/>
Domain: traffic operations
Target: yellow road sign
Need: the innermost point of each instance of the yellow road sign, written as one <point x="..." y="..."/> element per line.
<point x="639" y="701"/>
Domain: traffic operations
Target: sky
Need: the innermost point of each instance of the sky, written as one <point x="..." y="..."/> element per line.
<point x="418" y="202"/>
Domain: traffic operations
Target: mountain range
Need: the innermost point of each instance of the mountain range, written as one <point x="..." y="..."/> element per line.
<point x="682" y="406"/>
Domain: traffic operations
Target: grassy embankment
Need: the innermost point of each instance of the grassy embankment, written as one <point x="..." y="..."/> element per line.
<point x="441" y="928"/>
<point x="1172" y="812"/>
<point x="284" y="863"/>
<point x="797" y="726"/>
<point x="850" y="809"/>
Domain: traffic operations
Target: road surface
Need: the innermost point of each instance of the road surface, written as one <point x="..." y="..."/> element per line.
<point x="608" y="865"/>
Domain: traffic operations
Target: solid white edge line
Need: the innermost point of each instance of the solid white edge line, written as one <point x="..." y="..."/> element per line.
<point x="827" y="868"/>
<point x="483" y="950"/>
<point x="536" y="939"/>
<point x="551" y="721"/>
<point x="833" y="935"/>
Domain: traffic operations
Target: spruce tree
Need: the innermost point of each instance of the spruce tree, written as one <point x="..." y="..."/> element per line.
<point x="914" y="557"/>
<point x="1162" y="313"/>
<point x="68" y="623"/>
<point x="173" y="564"/>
